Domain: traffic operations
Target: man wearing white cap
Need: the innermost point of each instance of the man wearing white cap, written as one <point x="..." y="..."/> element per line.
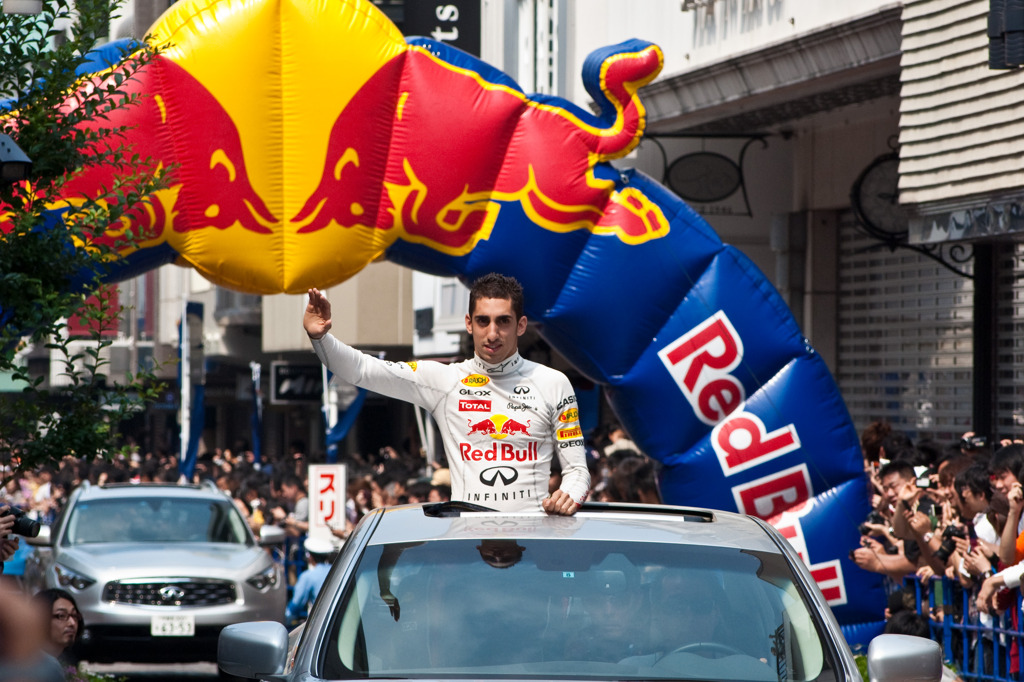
<point x="319" y="554"/>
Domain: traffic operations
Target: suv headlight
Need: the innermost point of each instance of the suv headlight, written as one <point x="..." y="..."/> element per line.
<point x="264" y="579"/>
<point x="68" y="578"/>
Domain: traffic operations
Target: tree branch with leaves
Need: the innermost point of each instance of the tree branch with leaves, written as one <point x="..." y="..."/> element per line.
<point x="55" y="249"/>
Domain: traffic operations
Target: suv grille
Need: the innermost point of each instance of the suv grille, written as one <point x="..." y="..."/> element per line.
<point x="171" y="592"/>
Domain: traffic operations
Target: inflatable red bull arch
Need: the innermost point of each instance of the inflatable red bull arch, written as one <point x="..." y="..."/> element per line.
<point x="312" y="138"/>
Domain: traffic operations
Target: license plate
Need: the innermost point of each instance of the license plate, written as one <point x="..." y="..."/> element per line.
<point x="178" y="625"/>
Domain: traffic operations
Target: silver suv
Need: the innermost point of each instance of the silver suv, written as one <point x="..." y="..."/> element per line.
<point x="157" y="570"/>
<point x="616" y="592"/>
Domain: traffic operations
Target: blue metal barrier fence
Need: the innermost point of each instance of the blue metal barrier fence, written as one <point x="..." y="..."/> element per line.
<point x="981" y="648"/>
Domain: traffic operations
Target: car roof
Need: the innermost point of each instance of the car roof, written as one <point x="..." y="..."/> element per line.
<point x="594" y="521"/>
<point x="134" y="490"/>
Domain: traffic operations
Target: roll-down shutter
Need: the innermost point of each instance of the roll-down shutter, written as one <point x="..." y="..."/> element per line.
<point x="905" y="338"/>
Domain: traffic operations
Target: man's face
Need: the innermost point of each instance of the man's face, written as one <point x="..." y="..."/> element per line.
<point x="683" y="611"/>
<point x="63" y="624"/>
<point x="613" y="614"/>
<point x="1003" y="480"/>
<point x="972" y="504"/>
<point x="495" y="329"/>
<point x="891" y="486"/>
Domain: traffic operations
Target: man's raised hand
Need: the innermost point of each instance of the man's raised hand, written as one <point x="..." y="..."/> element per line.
<point x="317" y="318"/>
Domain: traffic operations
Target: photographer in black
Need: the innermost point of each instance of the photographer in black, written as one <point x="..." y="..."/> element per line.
<point x="14" y="521"/>
<point x="8" y="545"/>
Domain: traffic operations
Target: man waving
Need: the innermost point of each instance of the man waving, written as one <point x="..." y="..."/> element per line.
<point x="502" y="417"/>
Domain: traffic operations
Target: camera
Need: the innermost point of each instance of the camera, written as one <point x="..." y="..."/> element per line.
<point x="973" y="443"/>
<point x="948" y="546"/>
<point x="874" y="518"/>
<point x="23" y="525"/>
<point x="923" y="476"/>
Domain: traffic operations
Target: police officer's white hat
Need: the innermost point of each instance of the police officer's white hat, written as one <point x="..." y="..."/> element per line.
<point x="318" y="546"/>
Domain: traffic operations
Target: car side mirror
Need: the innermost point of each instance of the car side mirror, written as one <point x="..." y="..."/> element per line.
<point x="904" y="658"/>
<point x="44" y="539"/>
<point x="272" y="535"/>
<point x="253" y="650"/>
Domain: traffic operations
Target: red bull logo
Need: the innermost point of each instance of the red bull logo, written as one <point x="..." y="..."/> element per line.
<point x="498" y="426"/>
<point x="403" y="146"/>
<point x="499" y="452"/>
<point x="476" y="380"/>
<point x="215" y="183"/>
<point x="426" y="196"/>
<point x="511" y="426"/>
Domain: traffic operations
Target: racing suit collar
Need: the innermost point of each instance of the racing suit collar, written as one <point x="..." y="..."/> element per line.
<point x="506" y="366"/>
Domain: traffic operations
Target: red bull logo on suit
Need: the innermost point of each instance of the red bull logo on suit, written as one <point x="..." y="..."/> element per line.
<point x="499" y="426"/>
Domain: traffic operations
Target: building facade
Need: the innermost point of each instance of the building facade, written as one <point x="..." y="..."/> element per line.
<point x="862" y="154"/>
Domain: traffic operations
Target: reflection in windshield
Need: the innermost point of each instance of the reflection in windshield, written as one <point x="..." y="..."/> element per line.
<point x="551" y="608"/>
<point x="154" y="519"/>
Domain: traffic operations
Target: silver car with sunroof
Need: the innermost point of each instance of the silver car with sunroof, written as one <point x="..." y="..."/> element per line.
<point x="616" y="592"/>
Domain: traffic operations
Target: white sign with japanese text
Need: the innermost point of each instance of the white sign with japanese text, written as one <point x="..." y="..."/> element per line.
<point x="327" y="483"/>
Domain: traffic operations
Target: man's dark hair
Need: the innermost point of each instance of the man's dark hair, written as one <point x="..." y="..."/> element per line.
<point x="896" y="443"/>
<point x="930" y="450"/>
<point x="904" y="468"/>
<point x="1008" y="458"/>
<point x="976" y="479"/>
<point x="952" y="464"/>
<point x="908" y="623"/>
<point x="291" y="480"/>
<point x="634" y="479"/>
<point x="420" y="490"/>
<point x="494" y="285"/>
<point x="871" y="438"/>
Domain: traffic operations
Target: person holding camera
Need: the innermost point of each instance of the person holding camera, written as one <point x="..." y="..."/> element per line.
<point x="978" y="552"/>
<point x="8" y="545"/>
<point x="1004" y="470"/>
<point x="910" y="529"/>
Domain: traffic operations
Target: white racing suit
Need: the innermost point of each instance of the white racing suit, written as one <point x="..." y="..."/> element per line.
<point x="500" y="424"/>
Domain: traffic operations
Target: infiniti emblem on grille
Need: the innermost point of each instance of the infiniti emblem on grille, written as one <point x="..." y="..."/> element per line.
<point x="171" y="593"/>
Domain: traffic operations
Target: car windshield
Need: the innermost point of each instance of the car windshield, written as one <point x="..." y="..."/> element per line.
<point x="154" y="519"/>
<point x="574" y="609"/>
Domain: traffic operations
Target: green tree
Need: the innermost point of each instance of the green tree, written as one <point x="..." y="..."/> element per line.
<point x="51" y="271"/>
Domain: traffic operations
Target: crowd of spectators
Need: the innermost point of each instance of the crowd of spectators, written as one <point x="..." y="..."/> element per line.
<point x="271" y="492"/>
<point x="945" y="511"/>
<point x="274" y="490"/>
<point x="937" y="510"/>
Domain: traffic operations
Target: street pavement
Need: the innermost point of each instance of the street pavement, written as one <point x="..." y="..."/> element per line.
<point x="165" y="672"/>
